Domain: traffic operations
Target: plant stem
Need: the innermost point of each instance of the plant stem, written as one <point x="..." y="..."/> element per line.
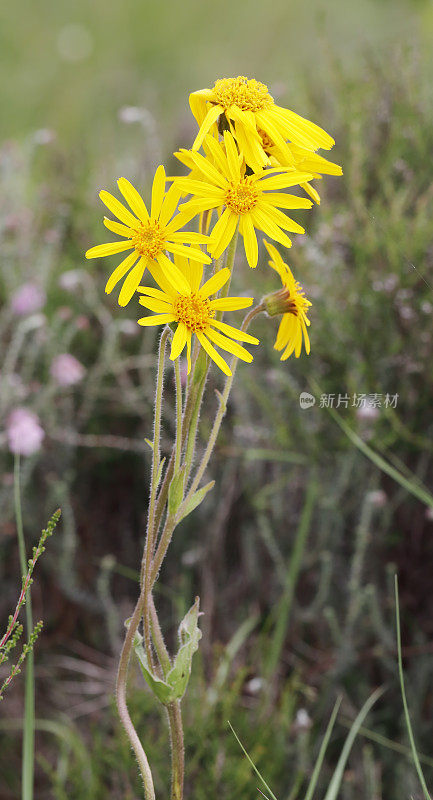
<point x="29" y="702"/>
<point x="150" y="534"/>
<point x="177" y="750"/>
<point x="221" y="410"/>
<point x="178" y="383"/>
<point x="122" y="707"/>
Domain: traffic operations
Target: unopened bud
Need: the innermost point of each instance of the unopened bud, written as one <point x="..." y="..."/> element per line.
<point x="280" y="302"/>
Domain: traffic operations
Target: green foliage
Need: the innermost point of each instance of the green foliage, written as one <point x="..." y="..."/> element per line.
<point x="173" y="687"/>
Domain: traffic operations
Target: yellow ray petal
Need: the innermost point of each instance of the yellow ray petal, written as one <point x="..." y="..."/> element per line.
<point x="179" y="341"/>
<point x="229" y="345"/>
<point x="250" y="240"/>
<point x="211" y="117"/>
<point x="173" y="274"/>
<point x="120" y="271"/>
<point x="230" y="303"/>
<point x="131" y="283"/>
<point x="134" y="199"/>
<point x="150" y="291"/>
<point x="109" y="249"/>
<point x="118" y="209"/>
<point x="232" y="156"/>
<point x="193" y="253"/>
<point x="169" y="204"/>
<point x="233" y="333"/>
<point x="287" y="200"/>
<point x="215" y="282"/>
<point x="157" y="319"/>
<point x="117" y="227"/>
<point x="215" y="356"/>
<point x="160" y="306"/>
<point x="158" y="189"/>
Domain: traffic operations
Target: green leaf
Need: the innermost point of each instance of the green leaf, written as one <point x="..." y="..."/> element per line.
<point x="189" y="637"/>
<point x="195" y="500"/>
<point x="175" y="683"/>
<point x="175" y="491"/>
<point x="160" y="688"/>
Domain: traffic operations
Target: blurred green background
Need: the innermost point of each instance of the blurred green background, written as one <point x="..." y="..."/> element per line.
<point x="294" y="552"/>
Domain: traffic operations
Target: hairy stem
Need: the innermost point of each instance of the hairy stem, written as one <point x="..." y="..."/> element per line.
<point x="150" y="535"/>
<point x="221" y="410"/>
<point x="122" y="707"/>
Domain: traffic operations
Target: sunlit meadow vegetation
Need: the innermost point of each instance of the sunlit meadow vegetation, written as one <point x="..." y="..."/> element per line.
<point x="315" y="509"/>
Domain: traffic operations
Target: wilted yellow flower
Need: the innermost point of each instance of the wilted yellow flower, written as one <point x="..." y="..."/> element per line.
<point x="187" y="304"/>
<point x="292" y="303"/>
<point x="147" y="235"/>
<point x="251" y="199"/>
<point x="249" y="108"/>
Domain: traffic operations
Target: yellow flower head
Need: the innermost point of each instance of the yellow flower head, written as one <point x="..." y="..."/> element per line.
<point x="292" y="303"/>
<point x="248" y="108"/>
<point x="253" y="200"/>
<point x="148" y="235"/>
<point x="189" y="305"/>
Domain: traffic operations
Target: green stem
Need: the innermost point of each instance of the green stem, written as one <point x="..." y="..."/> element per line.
<point x="177" y="750"/>
<point x="29" y="702"/>
<point x="150" y="535"/>
<point x="122" y="707"/>
<point x="178" y="383"/>
<point x="221" y="410"/>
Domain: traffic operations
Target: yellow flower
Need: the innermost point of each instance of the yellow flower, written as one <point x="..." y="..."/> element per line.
<point x="301" y="159"/>
<point x="251" y="199"/>
<point x="189" y="306"/>
<point x="147" y="235"/>
<point x="292" y="303"/>
<point x="248" y="108"/>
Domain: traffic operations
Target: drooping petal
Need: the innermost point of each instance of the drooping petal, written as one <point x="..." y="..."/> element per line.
<point x="211" y="117"/>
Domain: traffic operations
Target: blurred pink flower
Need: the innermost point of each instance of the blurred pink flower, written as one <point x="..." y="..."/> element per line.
<point x="66" y="370"/>
<point x="24" y="432"/>
<point x="28" y="299"/>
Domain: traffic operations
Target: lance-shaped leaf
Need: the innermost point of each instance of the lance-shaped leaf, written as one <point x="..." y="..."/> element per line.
<point x="194" y="501"/>
<point x="174" y="685"/>
<point x="160" y="688"/>
<point x="189" y="637"/>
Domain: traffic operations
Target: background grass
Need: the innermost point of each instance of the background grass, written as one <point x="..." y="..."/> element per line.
<point x="294" y="552"/>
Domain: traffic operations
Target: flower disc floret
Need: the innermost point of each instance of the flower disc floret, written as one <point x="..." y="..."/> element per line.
<point x="241" y="197"/>
<point x="148" y="239"/>
<point x="247" y="94"/>
<point x="193" y="311"/>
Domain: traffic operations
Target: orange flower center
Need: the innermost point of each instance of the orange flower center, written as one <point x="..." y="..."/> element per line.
<point x="246" y="94"/>
<point x="148" y="239"/>
<point x="194" y="311"/>
<point x="241" y="197"/>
